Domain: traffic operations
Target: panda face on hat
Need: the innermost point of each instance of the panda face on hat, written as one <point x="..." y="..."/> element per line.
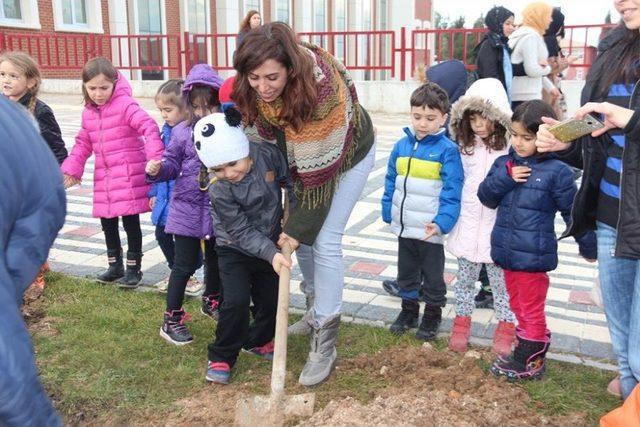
<point x="219" y="140"/>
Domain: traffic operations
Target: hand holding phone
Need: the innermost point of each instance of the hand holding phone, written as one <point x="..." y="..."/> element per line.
<point x="571" y="129"/>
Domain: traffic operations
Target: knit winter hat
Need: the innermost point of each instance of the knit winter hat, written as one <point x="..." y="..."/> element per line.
<point x="218" y="138"/>
<point x="495" y="19"/>
<point x="537" y="15"/>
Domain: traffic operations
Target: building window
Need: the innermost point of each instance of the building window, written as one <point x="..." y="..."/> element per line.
<point x="80" y="16"/>
<point x="340" y="13"/>
<point x="151" y="52"/>
<point x="252" y="5"/>
<point x="10" y="9"/>
<point x="319" y="15"/>
<point x="384" y="41"/>
<point x="19" y="13"/>
<point x="282" y="10"/>
<point x="197" y="16"/>
<point x="74" y="12"/>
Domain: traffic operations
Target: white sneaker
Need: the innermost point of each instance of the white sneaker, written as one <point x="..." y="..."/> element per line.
<point x="194" y="287"/>
<point x="162" y="285"/>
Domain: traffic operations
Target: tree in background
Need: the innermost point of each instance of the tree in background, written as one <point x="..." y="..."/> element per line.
<point x="451" y="45"/>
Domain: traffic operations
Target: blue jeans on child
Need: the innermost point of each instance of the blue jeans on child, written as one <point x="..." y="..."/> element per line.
<point x="321" y="264"/>
<point x="620" y="284"/>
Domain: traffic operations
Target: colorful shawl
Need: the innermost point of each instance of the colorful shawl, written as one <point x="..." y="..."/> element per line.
<point x="324" y="147"/>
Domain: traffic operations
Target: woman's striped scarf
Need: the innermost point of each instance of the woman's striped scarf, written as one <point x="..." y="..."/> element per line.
<point x="324" y="147"/>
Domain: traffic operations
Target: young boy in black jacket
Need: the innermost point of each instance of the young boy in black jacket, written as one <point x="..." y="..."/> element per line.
<point x="246" y="197"/>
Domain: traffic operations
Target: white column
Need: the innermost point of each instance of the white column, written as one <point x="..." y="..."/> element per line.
<point x="119" y="24"/>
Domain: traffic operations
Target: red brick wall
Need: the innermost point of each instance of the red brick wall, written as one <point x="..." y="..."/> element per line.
<point x="172" y="9"/>
<point x="67" y="50"/>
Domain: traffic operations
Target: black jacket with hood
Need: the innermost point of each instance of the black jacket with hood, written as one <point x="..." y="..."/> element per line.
<point x="590" y="154"/>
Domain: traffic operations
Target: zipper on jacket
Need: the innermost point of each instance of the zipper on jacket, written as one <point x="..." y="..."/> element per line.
<point x="617" y="245"/>
<point x="104" y="158"/>
<point x="404" y="187"/>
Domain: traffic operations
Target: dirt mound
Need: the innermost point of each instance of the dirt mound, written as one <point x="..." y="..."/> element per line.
<point x="434" y="388"/>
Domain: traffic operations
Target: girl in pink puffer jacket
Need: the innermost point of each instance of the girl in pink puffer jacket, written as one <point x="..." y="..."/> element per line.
<point x="123" y="137"/>
<point x="480" y="120"/>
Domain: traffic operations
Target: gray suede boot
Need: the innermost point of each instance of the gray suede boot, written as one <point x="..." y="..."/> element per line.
<point x="323" y="354"/>
<point x="303" y="326"/>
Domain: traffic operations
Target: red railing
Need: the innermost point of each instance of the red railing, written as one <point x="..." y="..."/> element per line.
<point x="380" y="54"/>
<point x="146" y="53"/>
<point x="441" y="45"/>
<point x="358" y="50"/>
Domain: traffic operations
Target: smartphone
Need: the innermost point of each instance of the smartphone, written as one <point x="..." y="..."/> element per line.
<point x="571" y="129"/>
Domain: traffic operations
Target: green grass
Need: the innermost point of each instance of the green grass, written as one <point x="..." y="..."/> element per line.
<point x="106" y="358"/>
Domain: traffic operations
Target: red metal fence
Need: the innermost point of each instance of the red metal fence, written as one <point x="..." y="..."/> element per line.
<point x="378" y="54"/>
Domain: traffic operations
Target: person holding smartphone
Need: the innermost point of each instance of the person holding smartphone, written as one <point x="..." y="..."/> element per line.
<point x="609" y="194"/>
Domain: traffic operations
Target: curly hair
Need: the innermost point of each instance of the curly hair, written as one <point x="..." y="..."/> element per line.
<point x="466" y="139"/>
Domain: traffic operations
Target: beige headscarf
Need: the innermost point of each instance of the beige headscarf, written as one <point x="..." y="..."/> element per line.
<point x="537" y="15"/>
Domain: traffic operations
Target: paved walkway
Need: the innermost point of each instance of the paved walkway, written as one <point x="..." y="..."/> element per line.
<point x="578" y="326"/>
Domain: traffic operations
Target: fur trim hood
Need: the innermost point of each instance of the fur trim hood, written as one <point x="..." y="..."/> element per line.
<point x="486" y="96"/>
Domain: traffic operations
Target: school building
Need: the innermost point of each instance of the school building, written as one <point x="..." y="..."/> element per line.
<point x="158" y="39"/>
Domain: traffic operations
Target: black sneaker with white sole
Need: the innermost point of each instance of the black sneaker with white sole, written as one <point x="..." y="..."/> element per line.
<point x="174" y="330"/>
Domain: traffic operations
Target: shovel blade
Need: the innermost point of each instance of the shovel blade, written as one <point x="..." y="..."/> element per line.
<point x="273" y="411"/>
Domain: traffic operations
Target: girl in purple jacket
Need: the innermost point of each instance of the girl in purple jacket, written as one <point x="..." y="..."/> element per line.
<point x="123" y="137"/>
<point x="189" y="218"/>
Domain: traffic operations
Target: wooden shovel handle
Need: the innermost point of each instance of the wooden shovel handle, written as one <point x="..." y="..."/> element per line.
<point x="279" y="368"/>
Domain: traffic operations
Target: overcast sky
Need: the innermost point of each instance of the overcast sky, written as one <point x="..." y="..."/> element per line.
<point x="577" y="12"/>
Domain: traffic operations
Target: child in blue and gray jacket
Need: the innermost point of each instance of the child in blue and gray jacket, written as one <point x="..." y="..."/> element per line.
<point x="421" y="201"/>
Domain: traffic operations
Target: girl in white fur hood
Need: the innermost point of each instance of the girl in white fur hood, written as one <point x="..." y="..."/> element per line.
<point x="479" y="123"/>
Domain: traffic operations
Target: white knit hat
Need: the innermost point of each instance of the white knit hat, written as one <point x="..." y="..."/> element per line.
<point x="219" y="140"/>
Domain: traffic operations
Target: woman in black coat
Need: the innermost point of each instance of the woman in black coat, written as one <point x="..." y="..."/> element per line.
<point x="492" y="53"/>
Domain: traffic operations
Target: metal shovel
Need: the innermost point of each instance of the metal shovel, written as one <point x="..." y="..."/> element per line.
<point x="273" y="410"/>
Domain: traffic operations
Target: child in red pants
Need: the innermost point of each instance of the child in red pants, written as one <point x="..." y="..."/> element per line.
<point x="528" y="189"/>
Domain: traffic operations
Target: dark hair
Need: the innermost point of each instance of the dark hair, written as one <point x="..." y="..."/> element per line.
<point x="245" y="24"/>
<point x="93" y="68"/>
<point x="430" y="95"/>
<point x="200" y="92"/>
<point x="530" y="114"/>
<point x="276" y="41"/>
<point x="621" y="61"/>
<point x="171" y="92"/>
<point x="496" y="140"/>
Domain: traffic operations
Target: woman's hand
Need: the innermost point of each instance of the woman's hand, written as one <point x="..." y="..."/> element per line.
<point x="153" y="167"/>
<point x="152" y="202"/>
<point x="70" y="181"/>
<point x="285" y="238"/>
<point x="614" y="116"/>
<point x="545" y="141"/>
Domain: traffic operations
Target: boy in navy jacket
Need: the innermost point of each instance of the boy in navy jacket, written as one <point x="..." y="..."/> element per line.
<point x="528" y="189"/>
<point x="421" y="201"/>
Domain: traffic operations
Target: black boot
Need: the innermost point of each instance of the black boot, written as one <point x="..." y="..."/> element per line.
<point x="408" y="317"/>
<point x="527" y="362"/>
<point x="116" y="269"/>
<point x="133" y="275"/>
<point x="430" y="324"/>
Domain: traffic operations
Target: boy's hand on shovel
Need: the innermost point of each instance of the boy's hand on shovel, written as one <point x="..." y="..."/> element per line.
<point x="279" y="262"/>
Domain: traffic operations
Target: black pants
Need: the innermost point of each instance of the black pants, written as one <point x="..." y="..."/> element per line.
<point x="484" y="279"/>
<point x="131" y="224"/>
<point x="421" y="270"/>
<point x="244" y="279"/>
<point x="165" y="241"/>
<point x="186" y="262"/>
